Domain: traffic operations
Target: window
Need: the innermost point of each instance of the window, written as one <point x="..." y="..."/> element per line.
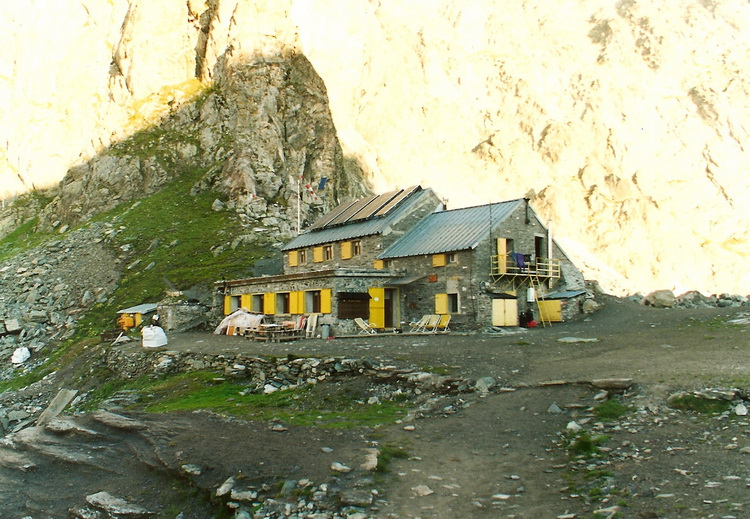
<point x="293" y="258"/>
<point x="353" y="305"/>
<point x="451" y="257"/>
<point x="438" y="260"/>
<point x="257" y="303"/>
<point x="447" y="303"/>
<point x="453" y="307"/>
<point x="312" y="302"/>
<point x="356" y="248"/>
<point x="231" y="304"/>
<point x="302" y="256"/>
<point x="282" y="303"/>
<point x="318" y="254"/>
<point x="328" y="252"/>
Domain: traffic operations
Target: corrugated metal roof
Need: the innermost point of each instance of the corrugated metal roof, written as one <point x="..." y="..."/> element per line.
<point x="448" y="231"/>
<point x="564" y="294"/>
<point x="139" y="309"/>
<point x="357" y="229"/>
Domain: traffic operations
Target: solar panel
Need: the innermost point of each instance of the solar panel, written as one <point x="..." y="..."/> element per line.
<point x="326" y="218"/>
<point x="374" y="206"/>
<point x="351" y="211"/>
<point x="396" y="200"/>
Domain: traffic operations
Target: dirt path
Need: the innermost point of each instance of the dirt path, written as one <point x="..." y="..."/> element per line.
<point x="501" y="454"/>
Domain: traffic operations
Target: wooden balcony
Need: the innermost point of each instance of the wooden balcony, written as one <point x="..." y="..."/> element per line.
<point x="543" y="268"/>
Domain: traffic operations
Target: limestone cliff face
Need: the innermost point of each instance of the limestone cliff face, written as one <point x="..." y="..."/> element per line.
<point x="627" y="119"/>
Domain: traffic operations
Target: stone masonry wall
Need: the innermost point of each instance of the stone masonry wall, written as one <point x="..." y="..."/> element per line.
<point x="268" y="374"/>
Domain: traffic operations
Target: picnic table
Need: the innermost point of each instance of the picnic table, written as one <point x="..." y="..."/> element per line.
<point x="275" y="333"/>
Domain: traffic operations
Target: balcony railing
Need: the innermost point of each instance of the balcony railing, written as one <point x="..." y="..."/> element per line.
<point x="508" y="265"/>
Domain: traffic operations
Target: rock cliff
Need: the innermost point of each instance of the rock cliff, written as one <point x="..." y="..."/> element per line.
<point x="625" y="120"/>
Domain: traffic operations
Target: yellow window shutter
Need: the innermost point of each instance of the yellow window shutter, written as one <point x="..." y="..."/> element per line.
<point x="379" y="264"/>
<point x="246" y="301"/>
<point x="346" y="250"/>
<point x="325" y="301"/>
<point x="377" y="307"/>
<point x="441" y="303"/>
<point x="269" y="303"/>
<point x="318" y="254"/>
<point x="438" y="260"/>
<point x="293" y="258"/>
<point x="294" y="303"/>
<point x="227" y="305"/>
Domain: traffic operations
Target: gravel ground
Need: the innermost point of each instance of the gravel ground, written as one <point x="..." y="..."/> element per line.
<point x="503" y="453"/>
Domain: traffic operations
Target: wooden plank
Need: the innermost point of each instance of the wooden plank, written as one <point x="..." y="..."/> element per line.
<point x="61" y="400"/>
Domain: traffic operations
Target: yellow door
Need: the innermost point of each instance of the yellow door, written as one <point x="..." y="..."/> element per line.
<point x="502" y="251"/>
<point x="377" y="307"/>
<point x="504" y="312"/>
<point x="550" y="311"/>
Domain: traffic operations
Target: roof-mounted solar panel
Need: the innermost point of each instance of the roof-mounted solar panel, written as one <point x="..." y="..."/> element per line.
<point x="352" y="210"/>
<point x="374" y="206"/>
<point x="326" y="218"/>
<point x="400" y="197"/>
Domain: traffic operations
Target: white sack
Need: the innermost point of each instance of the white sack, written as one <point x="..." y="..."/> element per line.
<point x="153" y="337"/>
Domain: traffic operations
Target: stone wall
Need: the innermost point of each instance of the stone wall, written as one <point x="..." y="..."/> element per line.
<point x="269" y="374"/>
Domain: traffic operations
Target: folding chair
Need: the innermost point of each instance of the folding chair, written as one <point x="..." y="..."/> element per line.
<point x="418" y="326"/>
<point x="365" y="328"/>
<point x="442" y="326"/>
<point x="432" y="324"/>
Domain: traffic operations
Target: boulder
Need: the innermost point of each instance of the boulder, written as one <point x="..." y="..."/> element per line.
<point x="660" y="299"/>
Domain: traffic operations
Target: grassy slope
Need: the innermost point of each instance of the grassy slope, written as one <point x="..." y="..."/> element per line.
<point x="172" y="238"/>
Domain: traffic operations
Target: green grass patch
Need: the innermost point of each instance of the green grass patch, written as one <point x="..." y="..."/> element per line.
<point x="24" y="237"/>
<point x="688" y="402"/>
<point x="585" y="445"/>
<point x="387" y="454"/>
<point x="175" y="239"/>
<point x="612" y="409"/>
<point x="321" y="405"/>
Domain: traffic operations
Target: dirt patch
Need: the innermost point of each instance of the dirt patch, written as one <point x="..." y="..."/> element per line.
<point x="504" y="453"/>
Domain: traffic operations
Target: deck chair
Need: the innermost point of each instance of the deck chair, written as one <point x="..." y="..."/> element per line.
<point x="432" y="323"/>
<point x="442" y="326"/>
<point x="418" y="326"/>
<point x="365" y="328"/>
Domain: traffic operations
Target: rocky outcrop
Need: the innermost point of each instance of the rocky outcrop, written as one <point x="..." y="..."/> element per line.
<point x="627" y="119"/>
<point x="263" y="134"/>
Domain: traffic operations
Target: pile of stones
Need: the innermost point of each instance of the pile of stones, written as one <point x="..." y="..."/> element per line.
<point x="44" y="290"/>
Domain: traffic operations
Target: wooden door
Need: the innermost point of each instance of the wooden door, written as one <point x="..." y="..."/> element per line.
<point x="550" y="311"/>
<point x="504" y="312"/>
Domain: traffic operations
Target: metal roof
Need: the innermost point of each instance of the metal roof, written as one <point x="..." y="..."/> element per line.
<point x="355" y="210"/>
<point x="357" y="229"/>
<point x="564" y="294"/>
<point x="448" y="231"/>
<point x="139" y="309"/>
